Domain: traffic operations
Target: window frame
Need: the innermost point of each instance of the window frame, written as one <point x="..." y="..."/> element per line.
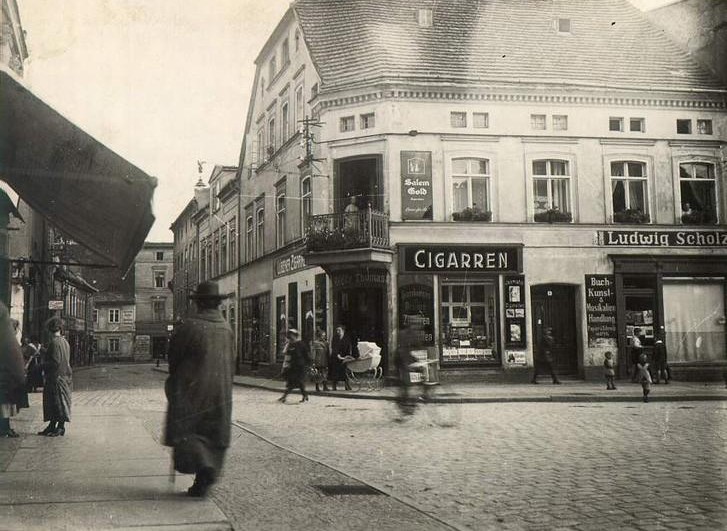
<point x="684" y="122"/>
<point x="619" y="120"/>
<point x="468" y="178"/>
<point x="157" y="276"/>
<point x="458" y="119"/>
<point x="249" y="234"/>
<point x="306" y="200"/>
<point x="117" y="345"/>
<point x="711" y="162"/>
<point x="560" y="122"/>
<point x="625" y="160"/>
<point x="367" y="120"/>
<point x="259" y="228"/>
<point x="285" y="133"/>
<point x="704" y="126"/>
<point x="570" y="179"/>
<point x="344" y="120"/>
<point x="114" y="315"/>
<point x="535" y="120"/>
<point x="486" y="120"/>
<point x="641" y="123"/>
<point x="280" y="214"/>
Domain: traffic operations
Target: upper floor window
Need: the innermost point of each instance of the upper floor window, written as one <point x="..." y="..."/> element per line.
<point x="223" y="253"/>
<point x="249" y="235"/>
<point x="480" y="120"/>
<point x="216" y="254"/>
<point x="272" y="69"/>
<point x="425" y="17"/>
<point x="114" y="344"/>
<point x="637" y="125"/>
<point x="215" y="193"/>
<point x="563" y="25"/>
<point x="159" y="310"/>
<point x="348" y="123"/>
<point x="458" y="119"/>
<point x="159" y="256"/>
<point x="615" y="124"/>
<point x="704" y="127"/>
<point x="260" y="229"/>
<point x="299" y="103"/>
<point x="368" y="121"/>
<point x="233" y="243"/>
<point x="698" y="188"/>
<point x="629" y="192"/>
<point x="560" y="122"/>
<point x="203" y="260"/>
<point x="280" y="215"/>
<point x="285" y="53"/>
<point x="296" y="39"/>
<point x="95" y="315"/>
<point x="261" y="145"/>
<point x="551" y="189"/>
<point x="306" y="196"/>
<point x="684" y="127"/>
<point x="470" y="185"/>
<point x="537" y="121"/>
<point x="159" y="279"/>
<point x="271" y="137"/>
<point x="284" y="122"/>
<point x="114" y="315"/>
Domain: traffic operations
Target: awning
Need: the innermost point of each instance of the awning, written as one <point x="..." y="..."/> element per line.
<point x="83" y="188"/>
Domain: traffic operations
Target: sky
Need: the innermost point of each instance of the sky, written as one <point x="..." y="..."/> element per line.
<point x="163" y="83"/>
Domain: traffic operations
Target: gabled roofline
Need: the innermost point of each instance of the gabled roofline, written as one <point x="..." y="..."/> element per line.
<point x="192" y="202"/>
<point x="275" y="34"/>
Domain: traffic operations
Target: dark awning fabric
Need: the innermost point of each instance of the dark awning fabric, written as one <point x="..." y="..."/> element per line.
<point x="86" y="190"/>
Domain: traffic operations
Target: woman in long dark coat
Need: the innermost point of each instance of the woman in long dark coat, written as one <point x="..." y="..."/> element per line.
<point x="58" y="382"/>
<point x="12" y="375"/>
<point x="341" y="348"/>
<point x="199" y="390"/>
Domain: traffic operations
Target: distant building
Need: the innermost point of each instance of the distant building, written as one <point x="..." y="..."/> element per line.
<point x="153" y="270"/>
<point x="114" y="328"/>
<point x="186" y="245"/>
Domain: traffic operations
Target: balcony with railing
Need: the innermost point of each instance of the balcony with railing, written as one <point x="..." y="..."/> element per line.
<point x="346" y="237"/>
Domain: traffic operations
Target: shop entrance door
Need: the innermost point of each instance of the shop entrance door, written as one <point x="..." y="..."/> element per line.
<point x="554" y="307"/>
<point x="362" y="311"/>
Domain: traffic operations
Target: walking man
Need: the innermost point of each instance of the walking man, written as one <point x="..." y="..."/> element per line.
<point x="199" y="390"/>
<point x="544" y="361"/>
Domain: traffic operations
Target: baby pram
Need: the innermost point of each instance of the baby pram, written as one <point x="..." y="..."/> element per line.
<point x="364" y="371"/>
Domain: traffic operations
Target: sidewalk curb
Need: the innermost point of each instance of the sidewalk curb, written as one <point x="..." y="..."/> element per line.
<point x="557" y="398"/>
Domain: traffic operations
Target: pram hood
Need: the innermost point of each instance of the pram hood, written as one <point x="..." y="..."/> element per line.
<point x="368" y="349"/>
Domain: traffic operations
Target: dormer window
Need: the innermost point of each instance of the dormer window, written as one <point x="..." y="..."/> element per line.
<point x="563" y="25"/>
<point x="425" y="17"/>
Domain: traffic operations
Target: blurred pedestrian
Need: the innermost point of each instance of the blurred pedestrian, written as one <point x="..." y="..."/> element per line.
<point x="659" y="359"/>
<point x="636" y="351"/>
<point x="296" y="361"/>
<point x="608" y="371"/>
<point x="13" y="395"/>
<point x="199" y="390"/>
<point x="321" y="352"/>
<point x="644" y="376"/>
<point x="58" y="381"/>
<point x="33" y="365"/>
<point x="544" y="358"/>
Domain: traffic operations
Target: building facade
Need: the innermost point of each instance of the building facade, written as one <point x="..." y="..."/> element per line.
<point x="153" y="270"/>
<point x="460" y="203"/>
<point x="114" y="328"/>
<point x="186" y="246"/>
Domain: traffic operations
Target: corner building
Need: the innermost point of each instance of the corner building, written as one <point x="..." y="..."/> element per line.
<point x="476" y="172"/>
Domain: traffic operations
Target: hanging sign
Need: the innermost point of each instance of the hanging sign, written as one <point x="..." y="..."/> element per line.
<point x="601" y="310"/>
<point x="416" y="185"/>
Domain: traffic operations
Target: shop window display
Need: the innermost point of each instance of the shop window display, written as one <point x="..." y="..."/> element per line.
<point x="694" y="319"/>
<point x="468" y="323"/>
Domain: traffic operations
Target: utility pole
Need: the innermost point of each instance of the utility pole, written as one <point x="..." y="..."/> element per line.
<point x="308" y="139"/>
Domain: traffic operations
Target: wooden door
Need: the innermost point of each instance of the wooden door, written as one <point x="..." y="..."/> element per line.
<point x="554" y="307"/>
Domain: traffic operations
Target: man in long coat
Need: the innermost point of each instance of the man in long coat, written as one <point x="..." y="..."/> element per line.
<point x="58" y="381"/>
<point x="12" y="375"/>
<point x="199" y="390"/>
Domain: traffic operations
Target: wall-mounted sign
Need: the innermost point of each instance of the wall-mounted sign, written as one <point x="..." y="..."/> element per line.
<point x="416" y="185"/>
<point x="660" y="238"/>
<point x="515" y="311"/>
<point x="289" y="264"/>
<point x="55" y="305"/>
<point x="369" y="277"/>
<point x="516" y="357"/>
<point x="142" y="345"/>
<point x="127" y="316"/>
<point x="455" y="259"/>
<point x="601" y="310"/>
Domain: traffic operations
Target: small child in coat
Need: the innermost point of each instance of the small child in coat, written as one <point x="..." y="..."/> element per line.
<point x="608" y="371"/>
<point x="644" y="376"/>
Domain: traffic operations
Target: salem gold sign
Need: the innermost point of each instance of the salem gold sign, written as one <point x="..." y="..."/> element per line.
<point x="657" y="238"/>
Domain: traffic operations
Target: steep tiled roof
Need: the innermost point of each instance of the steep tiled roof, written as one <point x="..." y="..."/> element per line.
<point x="481" y="42"/>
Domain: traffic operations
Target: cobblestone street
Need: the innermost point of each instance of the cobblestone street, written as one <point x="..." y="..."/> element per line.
<point x="502" y="466"/>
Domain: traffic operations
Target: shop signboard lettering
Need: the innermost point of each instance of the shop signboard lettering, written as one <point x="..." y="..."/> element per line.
<point x="601" y="310"/>
<point x="416" y="314"/>
<point x="373" y="278"/>
<point x="289" y="264"/>
<point x="142" y="345"/>
<point x="416" y="185"/>
<point x="515" y="311"/>
<point x="454" y="259"/>
<point x="660" y="238"/>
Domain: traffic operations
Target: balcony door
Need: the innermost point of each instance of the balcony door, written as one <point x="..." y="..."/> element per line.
<point x="359" y="178"/>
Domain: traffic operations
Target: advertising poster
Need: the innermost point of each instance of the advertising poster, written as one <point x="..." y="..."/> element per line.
<point x="515" y="311"/>
<point x="416" y="185"/>
<point x="601" y="310"/>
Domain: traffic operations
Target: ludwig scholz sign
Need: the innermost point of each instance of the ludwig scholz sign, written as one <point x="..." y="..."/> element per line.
<point x="657" y="238"/>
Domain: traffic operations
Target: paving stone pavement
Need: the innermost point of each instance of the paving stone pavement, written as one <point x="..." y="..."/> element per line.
<point x="527" y="466"/>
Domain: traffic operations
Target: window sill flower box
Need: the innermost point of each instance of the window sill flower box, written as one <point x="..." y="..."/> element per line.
<point x="553" y="216"/>
<point x="472" y="214"/>
<point x="631" y="216"/>
<point x="699" y="217"/>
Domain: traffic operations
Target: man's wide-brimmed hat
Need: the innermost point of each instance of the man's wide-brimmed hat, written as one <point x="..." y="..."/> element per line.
<point x="207" y="290"/>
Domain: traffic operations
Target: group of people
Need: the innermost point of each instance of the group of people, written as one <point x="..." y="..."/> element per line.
<point x="328" y="362"/>
<point x="25" y="368"/>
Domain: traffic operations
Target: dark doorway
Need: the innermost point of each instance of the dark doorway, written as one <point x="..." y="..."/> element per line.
<point x="308" y="322"/>
<point x="554" y="306"/>
<point x="281" y="327"/>
<point x="159" y="348"/>
<point x="359" y="178"/>
<point x="362" y="311"/>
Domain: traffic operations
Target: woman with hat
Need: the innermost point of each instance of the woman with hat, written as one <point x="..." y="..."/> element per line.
<point x="199" y="390"/>
<point x="12" y="375"/>
<point x="58" y="382"/>
<point x="295" y="363"/>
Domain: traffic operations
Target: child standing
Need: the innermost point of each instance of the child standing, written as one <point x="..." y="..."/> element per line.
<point x="642" y="368"/>
<point x="609" y="372"/>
